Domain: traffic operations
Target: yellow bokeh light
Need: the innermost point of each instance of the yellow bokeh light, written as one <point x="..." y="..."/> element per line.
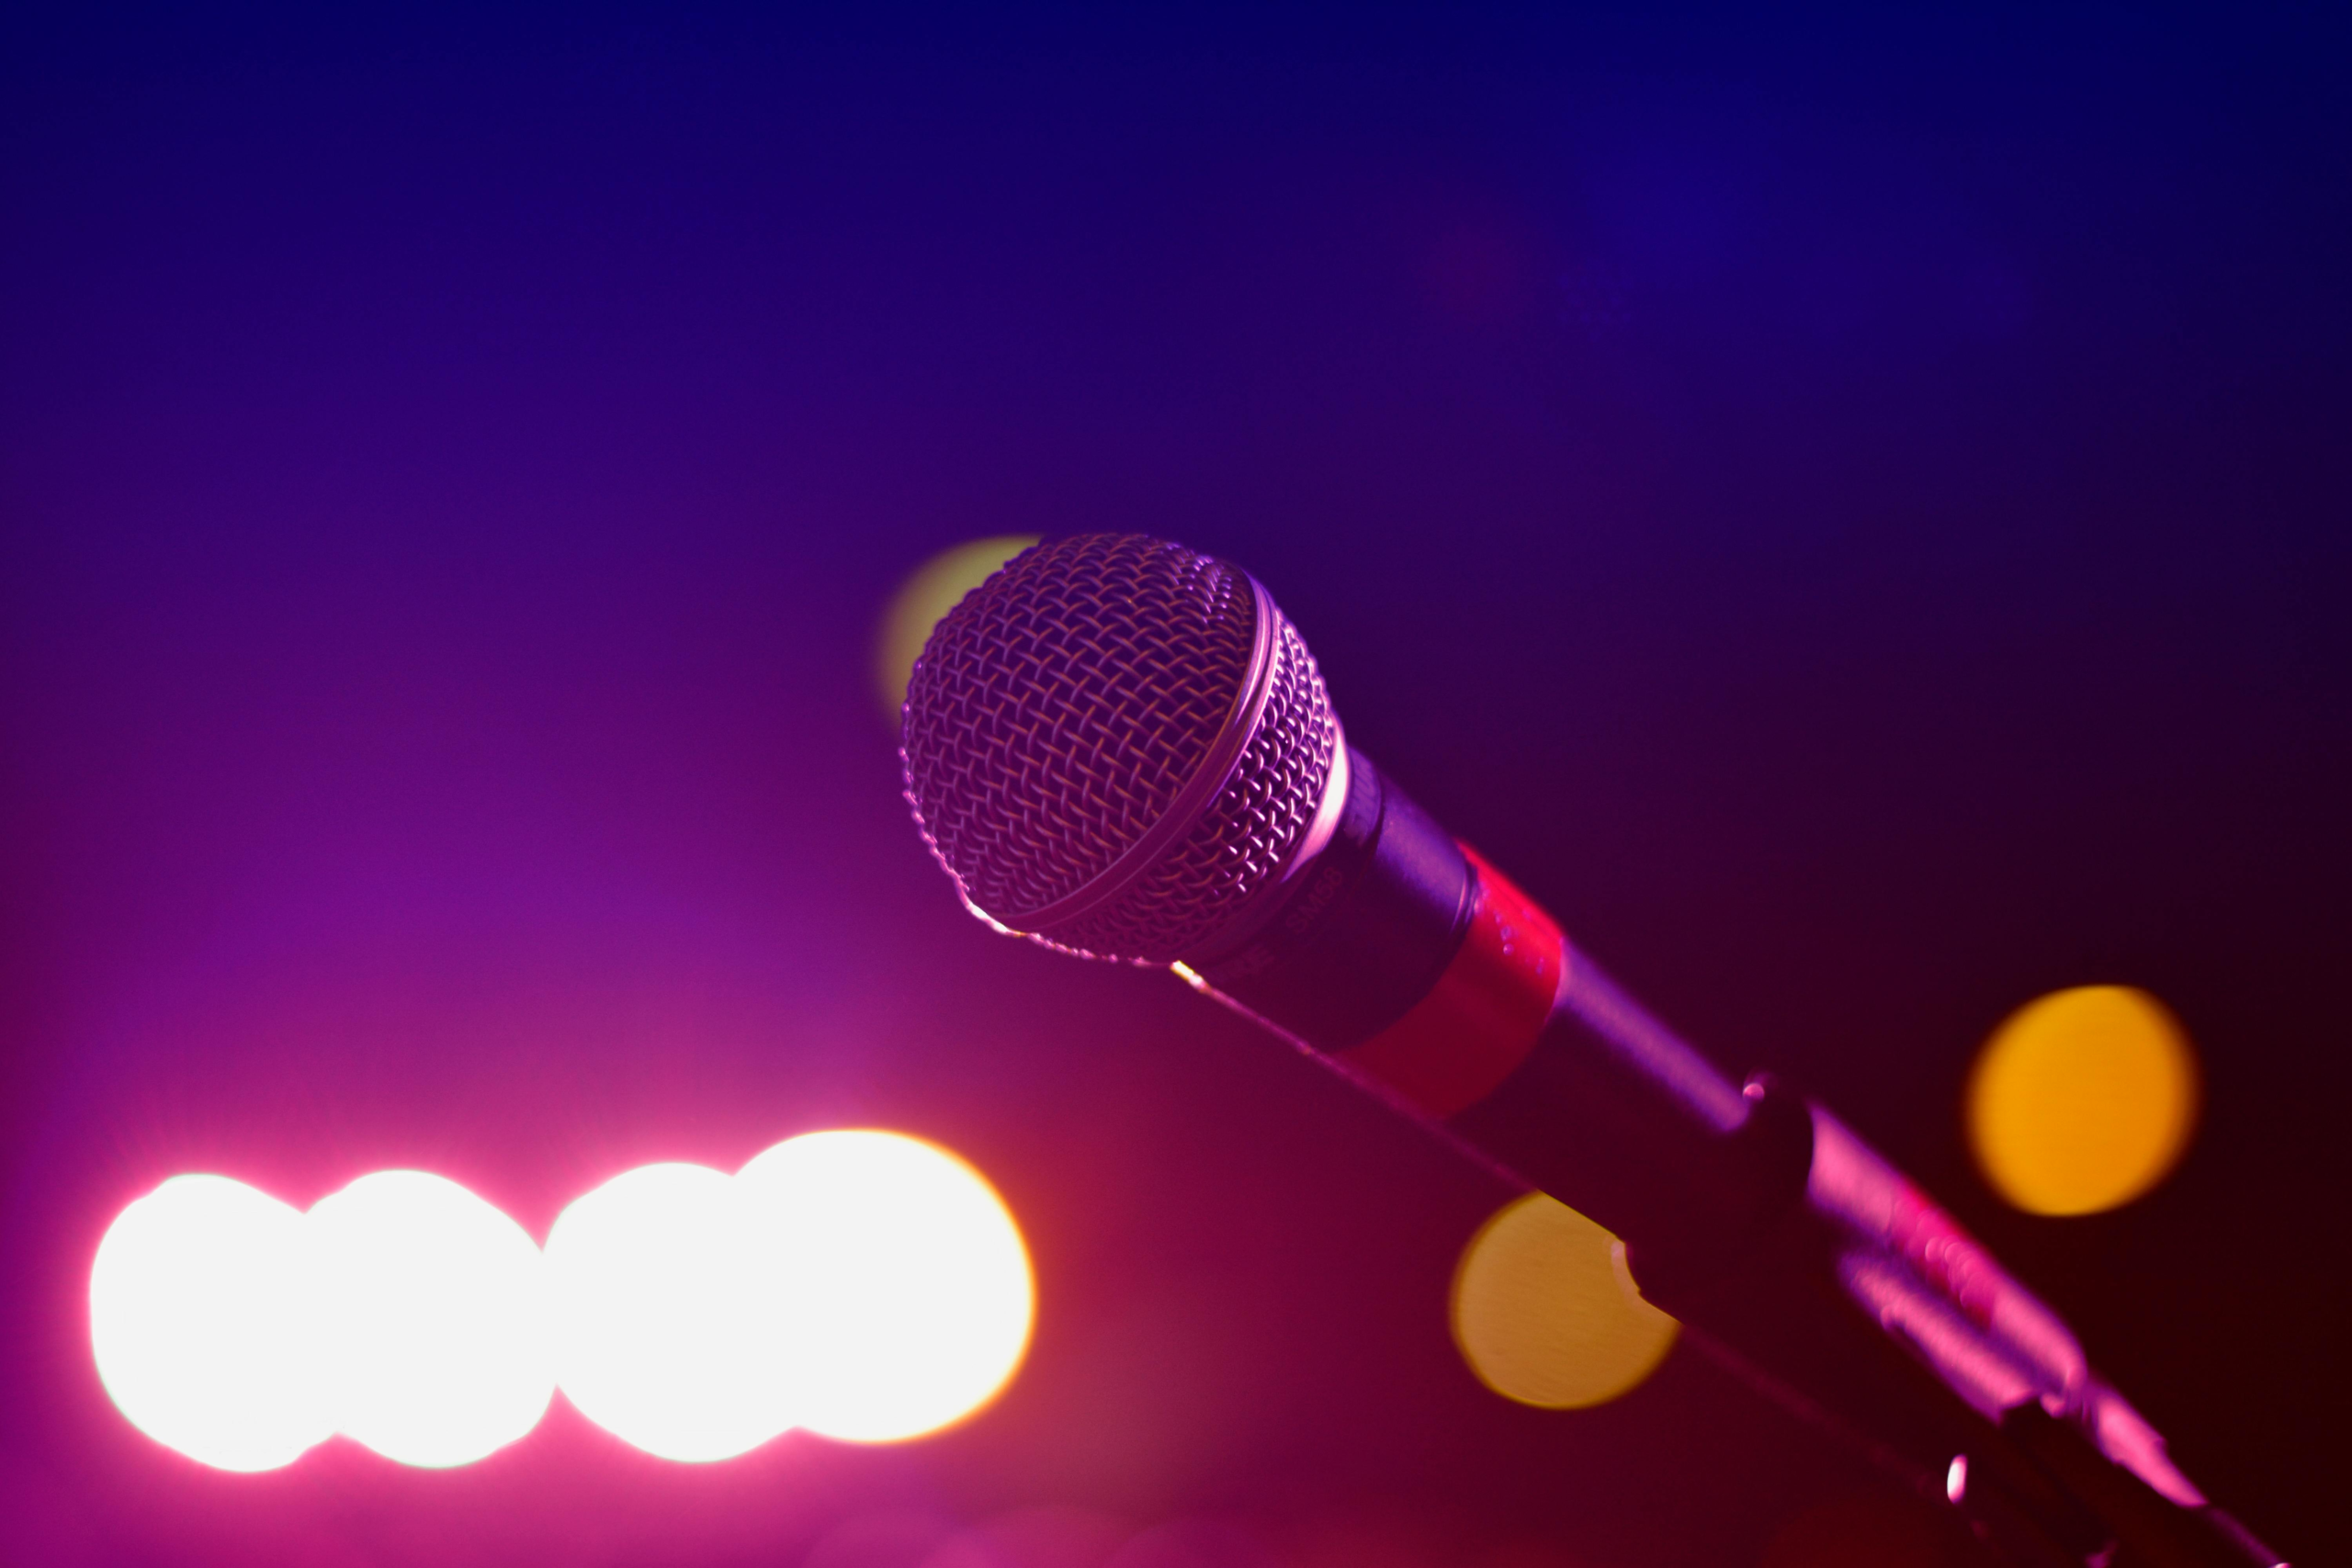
<point x="936" y="587"/>
<point x="2082" y="1099"/>
<point x="1545" y="1313"/>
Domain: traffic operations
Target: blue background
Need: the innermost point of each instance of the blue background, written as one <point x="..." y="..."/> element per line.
<point x="1848" y="508"/>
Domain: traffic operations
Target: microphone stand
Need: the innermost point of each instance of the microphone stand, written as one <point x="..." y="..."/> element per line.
<point x="1776" y="1204"/>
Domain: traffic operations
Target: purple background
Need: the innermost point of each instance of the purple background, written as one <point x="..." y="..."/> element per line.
<point x="1851" y="513"/>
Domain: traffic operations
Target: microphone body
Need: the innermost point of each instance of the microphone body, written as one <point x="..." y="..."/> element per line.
<point x="1414" y="967"/>
<point x="1417" y="970"/>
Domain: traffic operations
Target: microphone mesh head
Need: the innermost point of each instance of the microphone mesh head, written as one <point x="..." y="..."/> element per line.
<point x="1057" y="715"/>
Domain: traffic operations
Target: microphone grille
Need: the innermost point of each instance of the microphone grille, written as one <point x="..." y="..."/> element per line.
<point x="1058" y="715"/>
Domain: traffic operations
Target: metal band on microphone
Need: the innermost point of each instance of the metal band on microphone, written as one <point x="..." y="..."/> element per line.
<point x="1478" y="1022"/>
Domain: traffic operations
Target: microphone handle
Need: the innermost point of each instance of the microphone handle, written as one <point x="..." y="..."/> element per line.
<point x="1404" y="960"/>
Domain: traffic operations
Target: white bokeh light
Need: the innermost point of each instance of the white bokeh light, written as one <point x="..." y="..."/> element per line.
<point x="909" y="1297"/>
<point x="204" y="1324"/>
<point x="868" y="1286"/>
<point x="667" y="1317"/>
<point x="433" y="1308"/>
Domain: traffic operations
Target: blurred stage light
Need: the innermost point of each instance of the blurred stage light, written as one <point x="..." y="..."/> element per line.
<point x="867" y="1285"/>
<point x="934" y="589"/>
<point x="433" y="1317"/>
<point x="910" y="1293"/>
<point x="203" y="1322"/>
<point x="1546" y="1314"/>
<point x="2082" y="1099"/>
<point x="668" y="1315"/>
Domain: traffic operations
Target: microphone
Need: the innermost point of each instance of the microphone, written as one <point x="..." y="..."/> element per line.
<point x="1121" y="749"/>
